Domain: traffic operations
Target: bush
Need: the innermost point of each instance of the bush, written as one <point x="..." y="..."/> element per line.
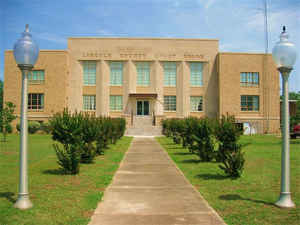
<point x="67" y="129"/>
<point x="45" y="128"/>
<point x="33" y="127"/>
<point x="68" y="158"/>
<point x="230" y="153"/>
<point x="83" y="135"/>
<point x="204" y="138"/>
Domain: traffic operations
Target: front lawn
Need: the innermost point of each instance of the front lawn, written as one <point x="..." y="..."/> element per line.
<point x="249" y="199"/>
<point x="57" y="198"/>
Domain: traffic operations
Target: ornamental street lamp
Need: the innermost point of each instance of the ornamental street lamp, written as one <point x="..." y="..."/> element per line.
<point x="284" y="54"/>
<point x="26" y="53"/>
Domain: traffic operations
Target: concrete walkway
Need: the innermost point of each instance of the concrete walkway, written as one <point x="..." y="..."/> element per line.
<point x="148" y="189"/>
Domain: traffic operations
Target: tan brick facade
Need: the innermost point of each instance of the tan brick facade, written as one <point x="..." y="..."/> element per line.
<point x="221" y="89"/>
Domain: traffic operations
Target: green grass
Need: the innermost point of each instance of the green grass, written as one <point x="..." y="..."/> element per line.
<point x="249" y="199"/>
<point x="57" y="198"/>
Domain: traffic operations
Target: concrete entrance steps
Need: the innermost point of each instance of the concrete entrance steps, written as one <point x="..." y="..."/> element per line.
<point x="149" y="189"/>
<point x="143" y="126"/>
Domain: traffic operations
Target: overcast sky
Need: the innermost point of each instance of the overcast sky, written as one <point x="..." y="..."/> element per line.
<point x="239" y="25"/>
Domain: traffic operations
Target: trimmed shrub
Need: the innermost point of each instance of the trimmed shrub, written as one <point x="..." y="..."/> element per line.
<point x="45" y="128"/>
<point x="204" y="140"/>
<point x="33" y="126"/>
<point x="230" y="152"/>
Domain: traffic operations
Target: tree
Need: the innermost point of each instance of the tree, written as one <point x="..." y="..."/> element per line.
<point x="6" y="117"/>
<point x="1" y="95"/>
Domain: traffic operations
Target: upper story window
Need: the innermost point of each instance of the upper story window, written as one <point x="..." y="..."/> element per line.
<point x="196" y="74"/>
<point x="35" y="101"/>
<point x="89" y="102"/>
<point x="249" y="103"/>
<point x="196" y="103"/>
<point x="170" y="71"/>
<point x="249" y="79"/>
<point x="89" y="72"/>
<point x="36" y="77"/>
<point x="143" y="73"/>
<point x="116" y="73"/>
<point x="116" y="103"/>
<point x="170" y="103"/>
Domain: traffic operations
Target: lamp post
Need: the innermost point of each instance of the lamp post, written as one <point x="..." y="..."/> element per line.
<point x="284" y="54"/>
<point x="26" y="53"/>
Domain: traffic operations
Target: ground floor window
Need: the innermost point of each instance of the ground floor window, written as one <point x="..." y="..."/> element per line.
<point x="249" y="103"/>
<point x="35" y="101"/>
<point x="116" y="103"/>
<point x="89" y="102"/>
<point x="196" y="103"/>
<point x="170" y="103"/>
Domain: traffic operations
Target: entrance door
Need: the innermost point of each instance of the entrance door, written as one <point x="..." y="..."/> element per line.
<point x="142" y="108"/>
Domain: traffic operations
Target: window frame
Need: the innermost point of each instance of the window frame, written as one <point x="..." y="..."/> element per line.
<point x="194" y="73"/>
<point x="89" y="68"/>
<point x="116" y="108"/>
<point x="89" y="98"/>
<point x="248" y="105"/>
<point x="201" y="103"/>
<point x="143" y="70"/>
<point x="114" y="80"/>
<point x="170" y="79"/>
<point x="167" y="100"/>
<point x="249" y="79"/>
<point x="39" y="102"/>
<point x="37" y="74"/>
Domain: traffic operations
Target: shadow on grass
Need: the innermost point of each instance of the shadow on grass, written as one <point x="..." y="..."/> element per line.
<point x="8" y="196"/>
<point x="212" y="176"/>
<point x="295" y="141"/>
<point x="233" y="197"/>
<point x="54" y="172"/>
<point x="183" y="153"/>
<point x="191" y="161"/>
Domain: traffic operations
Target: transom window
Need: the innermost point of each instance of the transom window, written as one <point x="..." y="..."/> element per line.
<point x="35" y="101"/>
<point x="196" y="74"/>
<point x="196" y="103"/>
<point x="89" y="102"/>
<point x="116" y="103"/>
<point x="89" y="72"/>
<point x="249" y="103"/>
<point x="170" y="103"/>
<point x="170" y="71"/>
<point x="36" y="77"/>
<point x="143" y="73"/>
<point x="249" y="79"/>
<point x="116" y="73"/>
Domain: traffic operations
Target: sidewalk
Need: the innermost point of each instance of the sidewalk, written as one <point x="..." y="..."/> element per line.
<point x="148" y="189"/>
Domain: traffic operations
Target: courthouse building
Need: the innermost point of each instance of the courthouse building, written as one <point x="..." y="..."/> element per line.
<point x="149" y="78"/>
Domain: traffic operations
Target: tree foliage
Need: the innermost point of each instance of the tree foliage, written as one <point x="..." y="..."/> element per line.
<point x="6" y="117"/>
<point x="1" y="95"/>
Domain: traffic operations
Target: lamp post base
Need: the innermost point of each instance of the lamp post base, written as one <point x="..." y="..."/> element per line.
<point x="23" y="202"/>
<point x="285" y="200"/>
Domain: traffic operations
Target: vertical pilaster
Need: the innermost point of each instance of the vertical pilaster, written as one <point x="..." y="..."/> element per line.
<point x="182" y="90"/>
<point x="159" y="82"/>
<point x="102" y="88"/>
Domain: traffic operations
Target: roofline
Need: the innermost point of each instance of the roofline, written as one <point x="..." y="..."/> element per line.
<point x="142" y="38"/>
<point x="244" y="53"/>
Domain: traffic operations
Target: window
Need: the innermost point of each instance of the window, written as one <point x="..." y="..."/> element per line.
<point x="143" y="73"/>
<point x="116" y="103"/>
<point x="249" y="103"/>
<point x="196" y="103"/>
<point x="170" y="74"/>
<point x="116" y="73"/>
<point x="36" y="77"/>
<point x="249" y="79"/>
<point x="196" y="74"/>
<point x="35" y="102"/>
<point x="89" y="102"/>
<point x="89" y="73"/>
<point x="170" y="103"/>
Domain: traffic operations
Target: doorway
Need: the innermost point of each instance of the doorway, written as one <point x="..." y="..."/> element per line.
<point x="142" y="107"/>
